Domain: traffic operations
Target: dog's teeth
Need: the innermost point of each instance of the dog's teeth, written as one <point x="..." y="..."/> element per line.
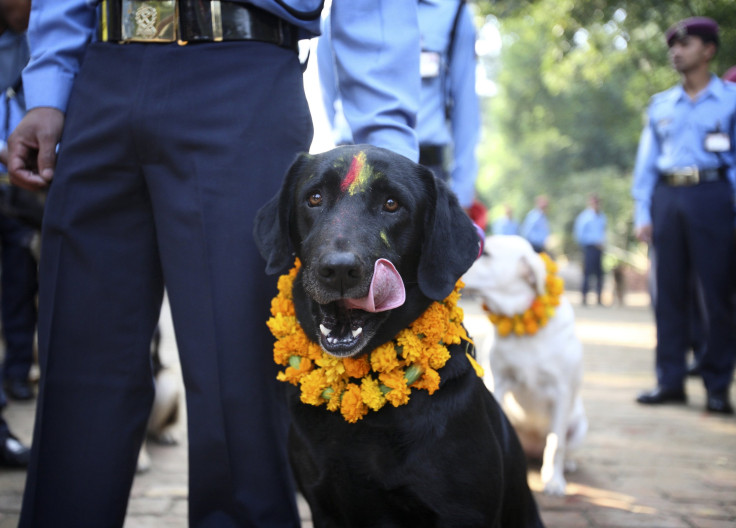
<point x="325" y="331"/>
<point x="357" y="332"/>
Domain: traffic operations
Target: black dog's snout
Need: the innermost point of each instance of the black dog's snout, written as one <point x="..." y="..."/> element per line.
<point x="340" y="270"/>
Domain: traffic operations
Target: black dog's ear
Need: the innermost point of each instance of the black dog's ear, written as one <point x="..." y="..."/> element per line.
<point x="271" y="227"/>
<point x="451" y="243"/>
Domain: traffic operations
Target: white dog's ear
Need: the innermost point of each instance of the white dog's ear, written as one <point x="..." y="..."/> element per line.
<point x="533" y="270"/>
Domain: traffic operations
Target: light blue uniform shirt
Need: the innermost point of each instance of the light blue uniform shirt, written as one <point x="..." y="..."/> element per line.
<point x="590" y="228"/>
<point x="14" y="55"/>
<point x="380" y="81"/>
<point x="674" y="136"/>
<point x="463" y="129"/>
<point x="505" y="226"/>
<point x="535" y="227"/>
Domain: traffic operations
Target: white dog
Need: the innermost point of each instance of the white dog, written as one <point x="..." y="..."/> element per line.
<point x="537" y="377"/>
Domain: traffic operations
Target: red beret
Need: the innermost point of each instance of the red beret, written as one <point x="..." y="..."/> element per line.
<point x="703" y="27"/>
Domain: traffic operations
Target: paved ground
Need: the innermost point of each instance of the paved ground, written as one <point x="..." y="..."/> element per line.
<point x="669" y="467"/>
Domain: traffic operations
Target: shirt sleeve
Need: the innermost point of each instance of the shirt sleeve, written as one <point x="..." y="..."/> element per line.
<point x="376" y="46"/>
<point x="326" y="71"/>
<point x="645" y="176"/>
<point x="58" y="33"/>
<point x="465" y="114"/>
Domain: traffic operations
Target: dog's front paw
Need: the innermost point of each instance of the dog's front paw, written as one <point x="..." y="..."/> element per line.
<point x="556" y="486"/>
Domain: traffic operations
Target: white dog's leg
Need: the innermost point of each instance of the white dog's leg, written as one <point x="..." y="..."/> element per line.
<point x="553" y="461"/>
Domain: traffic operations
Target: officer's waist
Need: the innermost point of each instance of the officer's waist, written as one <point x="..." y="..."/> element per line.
<point x="185" y="21"/>
<point x="431" y="155"/>
<point x="692" y="175"/>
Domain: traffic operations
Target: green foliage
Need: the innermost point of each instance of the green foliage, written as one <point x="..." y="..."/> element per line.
<point x="574" y="79"/>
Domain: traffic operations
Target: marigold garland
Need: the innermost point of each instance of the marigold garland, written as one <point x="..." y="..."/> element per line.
<point x="388" y="374"/>
<point x="541" y="310"/>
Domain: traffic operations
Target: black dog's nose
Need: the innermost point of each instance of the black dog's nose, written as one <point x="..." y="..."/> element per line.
<point x="340" y="270"/>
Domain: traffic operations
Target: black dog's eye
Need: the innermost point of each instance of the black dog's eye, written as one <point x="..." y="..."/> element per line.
<point x="391" y="205"/>
<point x="315" y="200"/>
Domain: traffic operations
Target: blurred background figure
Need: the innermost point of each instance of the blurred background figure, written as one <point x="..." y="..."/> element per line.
<point x="506" y="225"/>
<point x="535" y="227"/>
<point x="590" y="234"/>
<point x="18" y="282"/>
<point x="448" y="122"/>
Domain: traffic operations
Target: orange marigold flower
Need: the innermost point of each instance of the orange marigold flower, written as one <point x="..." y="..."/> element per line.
<point x="357" y="367"/>
<point x="430" y="381"/>
<point x="352" y="407"/>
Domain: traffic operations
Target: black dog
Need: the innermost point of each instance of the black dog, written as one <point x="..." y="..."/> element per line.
<point x="450" y="459"/>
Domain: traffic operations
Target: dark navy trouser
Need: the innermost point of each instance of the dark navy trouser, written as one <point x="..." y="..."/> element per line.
<point x="694" y="236"/>
<point x="592" y="267"/>
<point x="168" y="152"/>
<point x="18" y="288"/>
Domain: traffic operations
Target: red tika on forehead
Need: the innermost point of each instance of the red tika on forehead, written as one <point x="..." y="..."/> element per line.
<point x="356" y="167"/>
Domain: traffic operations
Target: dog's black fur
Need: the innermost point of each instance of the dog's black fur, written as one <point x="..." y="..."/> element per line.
<point x="447" y="460"/>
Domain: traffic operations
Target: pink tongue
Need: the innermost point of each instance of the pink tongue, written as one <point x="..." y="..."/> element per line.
<point x="386" y="291"/>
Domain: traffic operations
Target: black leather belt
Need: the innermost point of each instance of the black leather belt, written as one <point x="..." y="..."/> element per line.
<point x="185" y="21"/>
<point x="692" y="176"/>
<point x="431" y="155"/>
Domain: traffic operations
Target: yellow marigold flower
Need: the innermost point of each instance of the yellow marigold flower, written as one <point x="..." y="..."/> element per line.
<point x="411" y="346"/>
<point x="282" y="325"/>
<point x="437" y="356"/>
<point x="519" y="327"/>
<point x="531" y="327"/>
<point x="352" y="407"/>
<point x="383" y="359"/>
<point x="334" y="402"/>
<point x="357" y="367"/>
<point x="504" y="326"/>
<point x="371" y="393"/>
<point x="312" y="386"/>
<point x="333" y="367"/>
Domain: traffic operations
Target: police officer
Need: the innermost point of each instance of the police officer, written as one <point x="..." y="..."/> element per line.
<point x="506" y="225"/>
<point x="19" y="280"/>
<point x="535" y="226"/>
<point x="448" y="122"/>
<point x="166" y="152"/>
<point x="684" y="191"/>
<point x="590" y="233"/>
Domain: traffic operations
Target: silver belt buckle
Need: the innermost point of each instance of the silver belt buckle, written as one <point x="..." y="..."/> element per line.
<point x="149" y="21"/>
<point x="685" y="176"/>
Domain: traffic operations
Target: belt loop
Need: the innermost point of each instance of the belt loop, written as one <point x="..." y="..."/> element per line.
<point x="216" y="15"/>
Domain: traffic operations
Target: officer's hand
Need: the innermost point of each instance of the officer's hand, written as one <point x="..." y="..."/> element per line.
<point x="32" y="148"/>
<point x="644" y="233"/>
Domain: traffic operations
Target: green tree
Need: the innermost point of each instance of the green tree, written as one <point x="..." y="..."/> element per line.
<point x="573" y="80"/>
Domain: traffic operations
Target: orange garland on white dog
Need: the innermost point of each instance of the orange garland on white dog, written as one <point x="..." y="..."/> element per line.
<point x="539" y="313"/>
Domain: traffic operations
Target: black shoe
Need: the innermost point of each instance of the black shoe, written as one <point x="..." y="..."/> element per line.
<point x="19" y="390"/>
<point x="718" y="403"/>
<point x="13" y="454"/>
<point x="661" y="395"/>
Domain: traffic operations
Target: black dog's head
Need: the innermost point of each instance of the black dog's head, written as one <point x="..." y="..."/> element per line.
<point x="353" y="210"/>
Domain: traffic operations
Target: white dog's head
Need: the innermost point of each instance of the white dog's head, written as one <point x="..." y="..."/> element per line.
<point x="508" y="276"/>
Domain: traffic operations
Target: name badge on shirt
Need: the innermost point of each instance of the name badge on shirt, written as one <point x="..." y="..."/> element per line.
<point x="717" y="142"/>
<point x="429" y="64"/>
